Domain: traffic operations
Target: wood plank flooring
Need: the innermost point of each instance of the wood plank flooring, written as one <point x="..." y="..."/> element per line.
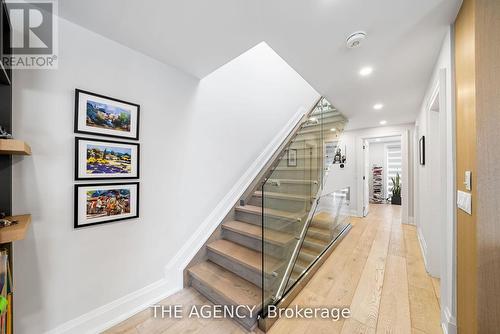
<point x="377" y="269"/>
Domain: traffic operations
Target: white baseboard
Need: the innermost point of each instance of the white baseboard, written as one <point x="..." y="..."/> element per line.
<point x="449" y="323"/>
<point x="354" y="213"/>
<point x="121" y="309"/>
<point x="411" y="221"/>
<point x="177" y="264"/>
<point x="425" y="254"/>
<point x="423" y="246"/>
<point x="113" y="313"/>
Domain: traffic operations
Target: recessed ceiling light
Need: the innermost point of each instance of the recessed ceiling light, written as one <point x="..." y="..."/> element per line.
<point x="378" y="106"/>
<point x="365" y="71"/>
<point x="378" y="139"/>
<point x="383" y="122"/>
<point x="333" y="129"/>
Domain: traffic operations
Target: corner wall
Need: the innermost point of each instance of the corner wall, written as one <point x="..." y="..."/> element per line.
<point x="435" y="182"/>
<point x="197" y="139"/>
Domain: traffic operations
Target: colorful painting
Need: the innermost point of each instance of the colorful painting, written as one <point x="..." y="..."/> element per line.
<point x="105" y="116"/>
<point x="108" y="160"/>
<point x="103" y="159"/>
<point x="104" y="203"/>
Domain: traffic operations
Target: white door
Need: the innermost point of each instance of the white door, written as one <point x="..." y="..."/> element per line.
<point x="366" y="178"/>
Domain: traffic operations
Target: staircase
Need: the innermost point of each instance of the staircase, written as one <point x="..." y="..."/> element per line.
<point x="265" y="245"/>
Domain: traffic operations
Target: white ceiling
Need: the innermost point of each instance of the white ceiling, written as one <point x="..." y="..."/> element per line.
<point x="198" y="36"/>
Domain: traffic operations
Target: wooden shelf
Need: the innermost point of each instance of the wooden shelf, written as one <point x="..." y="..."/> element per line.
<point x="17" y="231"/>
<point x="14" y="147"/>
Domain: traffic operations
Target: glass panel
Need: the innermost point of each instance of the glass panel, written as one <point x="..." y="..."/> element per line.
<point x="290" y="200"/>
<point x="329" y="220"/>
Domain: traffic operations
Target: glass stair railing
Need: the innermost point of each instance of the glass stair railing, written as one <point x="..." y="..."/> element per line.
<point x="295" y="211"/>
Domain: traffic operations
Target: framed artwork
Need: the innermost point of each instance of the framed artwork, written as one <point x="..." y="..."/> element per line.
<point x="103" y="159"/>
<point x="421" y="150"/>
<point x="104" y="203"/>
<point x="105" y="116"/>
<point x="292" y="158"/>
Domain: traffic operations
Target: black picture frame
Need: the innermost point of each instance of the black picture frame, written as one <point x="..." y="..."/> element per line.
<point x="77" y="159"/>
<point x="421" y="150"/>
<point x="76" y="224"/>
<point x="79" y="128"/>
<point x="292" y="158"/>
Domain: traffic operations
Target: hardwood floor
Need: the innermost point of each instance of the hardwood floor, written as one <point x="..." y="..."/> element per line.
<point x="377" y="269"/>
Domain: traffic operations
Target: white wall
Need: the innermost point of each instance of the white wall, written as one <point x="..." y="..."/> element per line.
<point x="352" y="173"/>
<point x="197" y="139"/>
<point x="435" y="221"/>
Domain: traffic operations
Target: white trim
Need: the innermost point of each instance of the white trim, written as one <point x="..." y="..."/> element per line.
<point x="411" y="221"/>
<point x="113" y="313"/>
<point x="354" y="213"/>
<point x="423" y="247"/>
<point x="176" y="265"/>
<point x="403" y="134"/>
<point x="449" y="324"/>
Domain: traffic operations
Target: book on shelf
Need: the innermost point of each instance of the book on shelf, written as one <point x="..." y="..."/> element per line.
<point x="5" y="294"/>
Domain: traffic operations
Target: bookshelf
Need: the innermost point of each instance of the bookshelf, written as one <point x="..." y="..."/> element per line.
<point x="8" y="149"/>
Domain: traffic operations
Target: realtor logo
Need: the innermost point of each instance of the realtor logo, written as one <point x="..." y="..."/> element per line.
<point x="33" y="37"/>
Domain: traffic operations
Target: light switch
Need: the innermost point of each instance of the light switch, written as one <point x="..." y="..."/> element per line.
<point x="467" y="180"/>
<point x="464" y="201"/>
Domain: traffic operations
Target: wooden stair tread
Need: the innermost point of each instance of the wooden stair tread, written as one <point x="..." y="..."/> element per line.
<point x="269" y="212"/>
<point x="293" y="181"/>
<point x="244" y="256"/>
<point x="232" y="287"/>
<point x="283" y="196"/>
<point x="315" y="241"/>
<point x="319" y="230"/>
<point x="283" y="168"/>
<point x="254" y="231"/>
<point x="308" y="251"/>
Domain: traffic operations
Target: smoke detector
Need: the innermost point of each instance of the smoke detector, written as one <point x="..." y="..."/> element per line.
<point x="355" y="39"/>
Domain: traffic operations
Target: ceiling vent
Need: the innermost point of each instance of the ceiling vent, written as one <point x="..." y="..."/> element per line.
<point x="355" y="39"/>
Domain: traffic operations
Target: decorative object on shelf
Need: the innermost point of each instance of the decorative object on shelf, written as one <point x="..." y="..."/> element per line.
<point x="4" y="222"/>
<point x="105" y="202"/>
<point x="377" y="185"/>
<point x="103" y="159"/>
<point x="105" y="116"/>
<point x="421" y="150"/>
<point x="396" y="190"/>
<point x="292" y="158"/>
<point x="4" y="134"/>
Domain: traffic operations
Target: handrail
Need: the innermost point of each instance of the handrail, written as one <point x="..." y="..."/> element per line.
<point x="293" y="259"/>
<point x="306" y="184"/>
<point x="270" y="164"/>
<point x="295" y="254"/>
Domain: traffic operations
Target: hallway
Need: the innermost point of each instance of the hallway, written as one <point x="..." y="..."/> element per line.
<point x="377" y="269"/>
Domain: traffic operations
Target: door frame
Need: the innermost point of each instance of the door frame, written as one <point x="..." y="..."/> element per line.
<point x="405" y="165"/>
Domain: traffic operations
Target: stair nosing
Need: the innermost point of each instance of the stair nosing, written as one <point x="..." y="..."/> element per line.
<point x="249" y="209"/>
<point x="192" y="272"/>
<point x="228" y="226"/>
<point x="268" y="271"/>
